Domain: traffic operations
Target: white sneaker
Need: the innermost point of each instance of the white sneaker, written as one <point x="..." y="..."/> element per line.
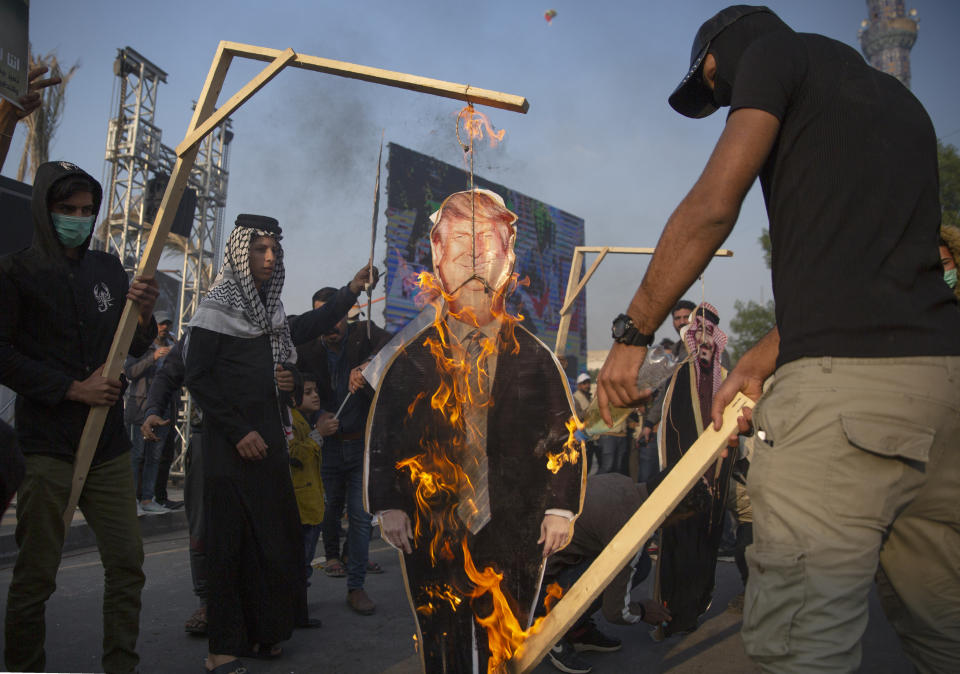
<point x="153" y="508"/>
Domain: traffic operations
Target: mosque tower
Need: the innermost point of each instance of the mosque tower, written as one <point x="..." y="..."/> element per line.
<point x="887" y="35"/>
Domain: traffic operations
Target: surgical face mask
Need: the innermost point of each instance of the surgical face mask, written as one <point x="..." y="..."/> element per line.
<point x="950" y="277"/>
<point x="72" y="230"/>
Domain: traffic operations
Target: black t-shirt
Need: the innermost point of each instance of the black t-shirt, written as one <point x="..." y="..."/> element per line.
<point x="851" y="189"/>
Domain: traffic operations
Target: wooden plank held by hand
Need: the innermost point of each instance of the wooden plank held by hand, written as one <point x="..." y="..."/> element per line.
<point x="627" y="543"/>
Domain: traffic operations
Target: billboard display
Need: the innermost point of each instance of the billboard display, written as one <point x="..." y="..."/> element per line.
<point x="546" y="236"/>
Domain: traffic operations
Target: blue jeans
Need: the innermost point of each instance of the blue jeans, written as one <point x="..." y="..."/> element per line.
<point x="311" y="534"/>
<point x="614" y="454"/>
<point x="649" y="460"/>
<point x="147" y="451"/>
<point x="342" y="474"/>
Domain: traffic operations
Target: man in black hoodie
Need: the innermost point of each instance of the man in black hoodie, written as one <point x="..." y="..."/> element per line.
<point x="60" y="305"/>
<point x="856" y="471"/>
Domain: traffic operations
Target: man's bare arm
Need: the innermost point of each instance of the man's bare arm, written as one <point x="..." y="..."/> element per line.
<point x="694" y="232"/>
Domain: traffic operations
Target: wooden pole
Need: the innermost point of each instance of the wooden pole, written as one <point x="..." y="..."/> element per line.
<point x="627" y="543"/>
<point x="425" y="85"/>
<point x="576" y="264"/>
<point x="568" y="305"/>
<point x="573" y="292"/>
<point x="205" y="119"/>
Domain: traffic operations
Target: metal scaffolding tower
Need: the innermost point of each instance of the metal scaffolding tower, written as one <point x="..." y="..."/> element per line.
<point x="887" y="36"/>
<point x="139" y="165"/>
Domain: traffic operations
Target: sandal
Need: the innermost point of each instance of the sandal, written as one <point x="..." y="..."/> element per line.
<point x="197" y="623"/>
<point x="373" y="567"/>
<point x="232" y="667"/>
<point x="335" y="569"/>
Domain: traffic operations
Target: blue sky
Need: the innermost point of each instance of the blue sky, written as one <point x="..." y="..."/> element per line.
<point x="599" y="140"/>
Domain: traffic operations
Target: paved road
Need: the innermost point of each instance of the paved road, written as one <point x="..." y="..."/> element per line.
<point x="380" y="643"/>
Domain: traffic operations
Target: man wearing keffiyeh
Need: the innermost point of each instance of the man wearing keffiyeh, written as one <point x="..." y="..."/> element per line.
<point x="688" y="548"/>
<point x="239" y="340"/>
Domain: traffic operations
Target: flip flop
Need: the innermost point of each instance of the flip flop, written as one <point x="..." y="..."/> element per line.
<point x="197" y="623"/>
<point x="335" y="569"/>
<point x="232" y="667"/>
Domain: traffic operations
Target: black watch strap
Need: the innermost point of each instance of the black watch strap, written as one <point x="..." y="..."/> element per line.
<point x="625" y="332"/>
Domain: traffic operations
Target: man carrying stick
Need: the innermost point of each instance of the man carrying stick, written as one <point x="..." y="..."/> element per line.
<point x="60" y="304"/>
<point x="857" y="465"/>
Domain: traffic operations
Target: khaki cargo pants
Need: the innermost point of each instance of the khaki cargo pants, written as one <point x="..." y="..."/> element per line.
<point x="857" y="477"/>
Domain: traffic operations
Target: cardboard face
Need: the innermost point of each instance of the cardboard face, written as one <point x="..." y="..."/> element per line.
<point x="472" y="243"/>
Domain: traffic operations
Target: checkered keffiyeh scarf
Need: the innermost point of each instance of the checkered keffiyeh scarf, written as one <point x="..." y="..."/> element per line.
<point x="692" y="339"/>
<point x="234" y="307"/>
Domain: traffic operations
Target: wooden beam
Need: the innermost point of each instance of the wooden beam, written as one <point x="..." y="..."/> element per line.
<point x="147" y="267"/>
<point x="576" y="264"/>
<point x="563" y="328"/>
<point x="568" y="305"/>
<point x="723" y="252"/>
<point x="628" y="541"/>
<point x="426" y="85"/>
<point x="238" y="99"/>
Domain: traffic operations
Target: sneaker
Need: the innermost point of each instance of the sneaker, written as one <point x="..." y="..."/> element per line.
<point x="726" y="554"/>
<point x="565" y="658"/>
<point x="170" y="505"/>
<point x="360" y="602"/>
<point x="152" y="508"/>
<point x="590" y="638"/>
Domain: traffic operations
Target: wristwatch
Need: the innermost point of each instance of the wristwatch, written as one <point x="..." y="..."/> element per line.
<point x="625" y="332"/>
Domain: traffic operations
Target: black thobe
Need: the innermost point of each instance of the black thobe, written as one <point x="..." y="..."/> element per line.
<point x="688" y="545"/>
<point x="253" y="538"/>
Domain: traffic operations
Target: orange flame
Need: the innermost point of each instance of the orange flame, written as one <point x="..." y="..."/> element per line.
<point x="504" y="634"/>
<point x="572" y="449"/>
<point x="474" y="123"/>
<point x="554" y="592"/>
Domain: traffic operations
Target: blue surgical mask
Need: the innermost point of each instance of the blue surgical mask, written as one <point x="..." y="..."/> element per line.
<point x="72" y="230"/>
<point x="950" y="277"/>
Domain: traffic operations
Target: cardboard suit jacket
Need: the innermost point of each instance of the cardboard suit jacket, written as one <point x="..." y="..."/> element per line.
<point x="531" y="405"/>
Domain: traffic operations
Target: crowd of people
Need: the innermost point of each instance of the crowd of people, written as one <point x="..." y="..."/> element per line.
<point x="847" y="469"/>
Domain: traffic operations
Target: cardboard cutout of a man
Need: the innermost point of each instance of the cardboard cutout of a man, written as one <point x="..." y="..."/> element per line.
<point x="469" y="460"/>
<point x="688" y="546"/>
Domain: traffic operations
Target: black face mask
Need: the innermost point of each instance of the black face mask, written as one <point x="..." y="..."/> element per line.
<point x="729" y="45"/>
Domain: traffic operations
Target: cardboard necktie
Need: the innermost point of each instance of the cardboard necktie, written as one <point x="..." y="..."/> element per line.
<point x="474" y="506"/>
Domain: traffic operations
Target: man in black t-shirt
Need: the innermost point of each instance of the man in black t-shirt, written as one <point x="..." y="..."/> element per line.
<point x="856" y="469"/>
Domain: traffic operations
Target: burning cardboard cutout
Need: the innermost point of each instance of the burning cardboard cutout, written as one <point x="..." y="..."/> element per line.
<point x="471" y="438"/>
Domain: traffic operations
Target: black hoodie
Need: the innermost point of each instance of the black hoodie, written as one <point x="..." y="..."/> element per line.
<point x="57" y="321"/>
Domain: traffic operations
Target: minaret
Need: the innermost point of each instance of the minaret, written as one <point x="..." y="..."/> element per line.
<point x="887" y="35"/>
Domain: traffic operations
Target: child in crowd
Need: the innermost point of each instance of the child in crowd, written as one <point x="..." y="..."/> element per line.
<point x="305" y="467"/>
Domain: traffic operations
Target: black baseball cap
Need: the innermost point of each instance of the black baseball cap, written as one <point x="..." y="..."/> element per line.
<point x="692" y="97"/>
